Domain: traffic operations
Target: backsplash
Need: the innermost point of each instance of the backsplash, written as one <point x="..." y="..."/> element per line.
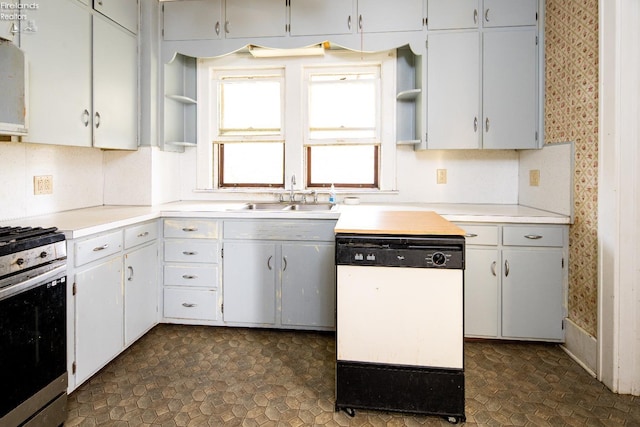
<point x="571" y="110"/>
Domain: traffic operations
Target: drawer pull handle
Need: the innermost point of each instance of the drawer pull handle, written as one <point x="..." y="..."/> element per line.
<point x="189" y="229"/>
<point x="101" y="248"/>
<point x="470" y="235"/>
<point x="189" y="276"/>
<point x="145" y="234"/>
<point x="284" y="260"/>
<point x="189" y="304"/>
<point x="189" y="253"/>
<point x="533" y="236"/>
<point x="506" y="268"/>
<point x="269" y="263"/>
<point x="493" y="268"/>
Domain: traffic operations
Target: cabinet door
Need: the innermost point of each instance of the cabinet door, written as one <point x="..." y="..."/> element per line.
<point x="510" y="89"/>
<point x="249" y="282"/>
<point x="308" y="285"/>
<point x="532" y="293"/>
<point x="115" y="86"/>
<point x="140" y="292"/>
<point x="508" y="13"/>
<point x="481" y="285"/>
<point x="99" y="317"/>
<point x="255" y="18"/>
<point x="448" y="14"/>
<point x="320" y="17"/>
<point x="453" y="90"/>
<point x="192" y="20"/>
<point x="59" y="55"/>
<point x="124" y="12"/>
<point x="375" y="16"/>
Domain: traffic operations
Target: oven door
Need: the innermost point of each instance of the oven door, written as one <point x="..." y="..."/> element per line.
<point x="32" y="347"/>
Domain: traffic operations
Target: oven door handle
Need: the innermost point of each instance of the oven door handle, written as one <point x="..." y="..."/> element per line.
<point x="33" y="282"/>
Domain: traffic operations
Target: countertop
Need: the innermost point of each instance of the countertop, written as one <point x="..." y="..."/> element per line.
<point x="83" y="222"/>
<point x="416" y="222"/>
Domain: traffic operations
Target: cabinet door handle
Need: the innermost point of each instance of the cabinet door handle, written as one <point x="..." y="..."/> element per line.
<point x="349" y="22"/>
<point x="218" y="28"/>
<point x="97" y="116"/>
<point x="533" y="236"/>
<point x="100" y="2"/>
<point x="360" y="22"/>
<point x="506" y="268"/>
<point x="189" y="304"/>
<point x="486" y="124"/>
<point x="189" y="253"/>
<point x="470" y="235"/>
<point x="85" y="117"/>
<point x="284" y="260"/>
<point x="486" y="15"/>
<point x="189" y="276"/>
<point x="189" y="229"/>
<point x="493" y="268"/>
<point x="130" y="278"/>
<point x="475" y="124"/>
<point x="226" y="27"/>
<point x="269" y="262"/>
<point x="475" y="16"/>
<point x="101" y="248"/>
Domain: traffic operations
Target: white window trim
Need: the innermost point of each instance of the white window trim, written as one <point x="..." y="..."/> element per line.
<point x="206" y="167"/>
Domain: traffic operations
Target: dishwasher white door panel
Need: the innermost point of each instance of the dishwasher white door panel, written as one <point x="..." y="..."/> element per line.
<point x="403" y="316"/>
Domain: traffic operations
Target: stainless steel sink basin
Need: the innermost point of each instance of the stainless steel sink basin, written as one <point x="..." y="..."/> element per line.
<point x="284" y="206"/>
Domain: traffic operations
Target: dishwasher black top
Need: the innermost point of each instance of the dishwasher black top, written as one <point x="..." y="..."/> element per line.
<point x="436" y="251"/>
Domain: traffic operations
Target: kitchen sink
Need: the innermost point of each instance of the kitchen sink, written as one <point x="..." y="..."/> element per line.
<point x="283" y="206"/>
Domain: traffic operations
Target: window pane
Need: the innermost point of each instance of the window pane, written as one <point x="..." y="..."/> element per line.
<point x="252" y="164"/>
<point x="250" y="106"/>
<point x="343" y="165"/>
<point x="342" y="106"/>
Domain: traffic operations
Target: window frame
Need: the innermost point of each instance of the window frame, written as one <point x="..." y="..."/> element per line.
<point x="207" y="154"/>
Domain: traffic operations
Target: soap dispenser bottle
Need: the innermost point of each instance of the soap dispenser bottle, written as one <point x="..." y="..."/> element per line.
<point x="332" y="195"/>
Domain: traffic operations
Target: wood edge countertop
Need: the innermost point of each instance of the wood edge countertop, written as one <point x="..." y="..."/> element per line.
<point x="396" y="223"/>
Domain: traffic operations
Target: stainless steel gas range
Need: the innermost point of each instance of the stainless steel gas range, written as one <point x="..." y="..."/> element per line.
<point x="33" y="377"/>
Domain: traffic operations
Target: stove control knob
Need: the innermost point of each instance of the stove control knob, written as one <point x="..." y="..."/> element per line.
<point x="438" y="258"/>
<point x="20" y="261"/>
<point x="43" y="254"/>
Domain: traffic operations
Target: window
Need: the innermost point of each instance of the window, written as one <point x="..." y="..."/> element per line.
<point x="319" y="119"/>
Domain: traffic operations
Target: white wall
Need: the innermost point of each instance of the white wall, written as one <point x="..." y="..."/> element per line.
<point x="78" y="178"/>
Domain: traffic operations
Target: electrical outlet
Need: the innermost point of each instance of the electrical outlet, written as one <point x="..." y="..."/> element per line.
<point x="43" y="184"/>
<point x="441" y="176"/>
<point x="534" y="177"/>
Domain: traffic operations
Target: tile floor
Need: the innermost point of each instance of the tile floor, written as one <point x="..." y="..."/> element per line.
<point x="206" y="376"/>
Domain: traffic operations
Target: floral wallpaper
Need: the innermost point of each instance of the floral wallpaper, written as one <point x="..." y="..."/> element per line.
<point x="571" y="114"/>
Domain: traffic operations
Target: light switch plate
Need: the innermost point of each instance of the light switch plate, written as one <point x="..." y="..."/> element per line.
<point x="534" y="177"/>
<point x="42" y="184"/>
<point x="441" y="176"/>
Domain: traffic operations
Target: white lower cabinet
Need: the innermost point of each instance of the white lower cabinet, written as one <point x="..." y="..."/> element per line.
<point x="279" y="273"/>
<point x="114" y="297"/>
<point x="191" y="271"/>
<point x="515" y="281"/>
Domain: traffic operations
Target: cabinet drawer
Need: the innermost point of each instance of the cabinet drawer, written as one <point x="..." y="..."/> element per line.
<point x="280" y="230"/>
<point x="139" y="234"/>
<point x="97" y="247"/>
<point x="480" y="234"/>
<point x="532" y="236"/>
<point x="191" y="228"/>
<point x="190" y="304"/>
<point x="191" y="275"/>
<point x="191" y="251"/>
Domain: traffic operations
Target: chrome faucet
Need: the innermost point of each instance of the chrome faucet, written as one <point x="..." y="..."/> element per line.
<point x="293" y="182"/>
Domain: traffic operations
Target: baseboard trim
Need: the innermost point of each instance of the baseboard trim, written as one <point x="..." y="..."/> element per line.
<point x="581" y="346"/>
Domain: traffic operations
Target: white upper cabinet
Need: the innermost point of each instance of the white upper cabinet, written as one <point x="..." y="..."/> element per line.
<point x="453" y="88"/>
<point x="509" y="13"/>
<point x="375" y="16"/>
<point x="192" y="20"/>
<point x="320" y="17"/>
<point x="59" y="90"/>
<point x="255" y="18"/>
<point x="124" y="12"/>
<point x="510" y="89"/>
<point x="451" y="14"/>
<point x="115" y="82"/>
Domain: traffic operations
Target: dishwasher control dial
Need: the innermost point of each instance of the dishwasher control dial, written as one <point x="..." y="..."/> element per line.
<point x="438" y="258"/>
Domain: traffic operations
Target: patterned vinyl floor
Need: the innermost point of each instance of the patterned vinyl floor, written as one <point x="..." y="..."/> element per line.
<point x="207" y="376"/>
